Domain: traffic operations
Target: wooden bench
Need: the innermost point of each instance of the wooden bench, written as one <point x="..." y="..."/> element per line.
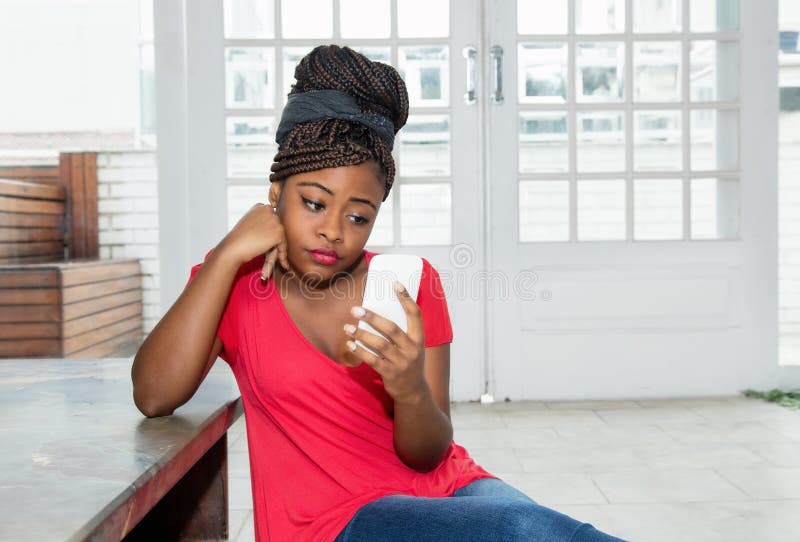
<point x="57" y="298"/>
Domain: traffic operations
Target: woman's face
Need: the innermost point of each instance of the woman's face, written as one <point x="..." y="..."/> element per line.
<point x="328" y="215"/>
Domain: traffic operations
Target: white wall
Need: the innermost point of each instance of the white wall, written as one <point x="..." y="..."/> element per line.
<point x="68" y="65"/>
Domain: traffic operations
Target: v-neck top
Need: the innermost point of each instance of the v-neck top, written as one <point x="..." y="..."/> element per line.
<point x="320" y="434"/>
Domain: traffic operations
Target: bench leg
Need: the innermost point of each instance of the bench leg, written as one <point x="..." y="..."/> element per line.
<point x="196" y="508"/>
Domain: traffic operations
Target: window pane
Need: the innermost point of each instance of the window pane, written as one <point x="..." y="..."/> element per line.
<point x="600" y="70"/>
<point x="147" y="89"/>
<point x="426" y="73"/>
<point x="291" y="58"/>
<point x="714" y="70"/>
<point x="656" y="16"/>
<point x="249" y="19"/>
<point x="657" y="141"/>
<point x="601" y="210"/>
<point x="241" y="198"/>
<point x="713" y="15"/>
<point x="378" y="54"/>
<point x="599" y="16"/>
<point x="383" y="230"/>
<point x="423" y="18"/>
<point x="543" y="142"/>
<point x="296" y="22"/>
<point x="249" y="77"/>
<point x="715" y="139"/>
<point x="542" y="73"/>
<point x="658" y="209"/>
<point x="543" y="211"/>
<point x="251" y="146"/>
<point x="542" y="16"/>
<point x="424" y="146"/>
<point x="657" y="71"/>
<point x="600" y="141"/>
<point x="715" y="208"/>
<point x="425" y="214"/>
<point x="364" y="18"/>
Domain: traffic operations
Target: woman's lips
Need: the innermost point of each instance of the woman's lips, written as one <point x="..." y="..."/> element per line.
<point x="324" y="257"/>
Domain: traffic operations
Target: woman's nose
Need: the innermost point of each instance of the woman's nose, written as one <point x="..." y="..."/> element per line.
<point x="331" y="230"/>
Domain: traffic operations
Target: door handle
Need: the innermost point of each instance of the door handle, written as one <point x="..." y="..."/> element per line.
<point x="470" y="53"/>
<point x="496" y="52"/>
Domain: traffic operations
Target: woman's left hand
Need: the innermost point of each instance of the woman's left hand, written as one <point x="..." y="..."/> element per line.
<point x="401" y="359"/>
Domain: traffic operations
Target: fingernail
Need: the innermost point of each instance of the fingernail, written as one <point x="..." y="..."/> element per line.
<point x="358" y="312"/>
<point x="351" y="345"/>
<point x="349" y="329"/>
<point x="399" y="288"/>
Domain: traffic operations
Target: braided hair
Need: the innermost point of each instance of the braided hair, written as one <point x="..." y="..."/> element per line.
<point x="377" y="89"/>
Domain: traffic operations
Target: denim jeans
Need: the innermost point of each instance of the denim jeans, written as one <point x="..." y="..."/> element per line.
<point x="487" y="510"/>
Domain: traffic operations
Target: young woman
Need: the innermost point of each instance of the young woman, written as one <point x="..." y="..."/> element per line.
<point x="344" y="445"/>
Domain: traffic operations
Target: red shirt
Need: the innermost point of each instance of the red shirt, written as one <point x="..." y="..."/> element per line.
<point x="319" y="434"/>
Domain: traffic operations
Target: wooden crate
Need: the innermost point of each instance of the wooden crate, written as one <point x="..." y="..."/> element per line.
<point x="83" y="308"/>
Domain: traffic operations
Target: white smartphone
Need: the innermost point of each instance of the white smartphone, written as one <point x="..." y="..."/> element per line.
<point x="379" y="294"/>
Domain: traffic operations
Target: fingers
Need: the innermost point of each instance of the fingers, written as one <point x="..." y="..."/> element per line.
<point x="369" y="341"/>
<point x="269" y="263"/>
<point x="391" y="331"/>
<point x="365" y="355"/>
<point x="413" y="314"/>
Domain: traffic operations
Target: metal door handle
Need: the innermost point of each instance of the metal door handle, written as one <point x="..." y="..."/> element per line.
<point x="496" y="52"/>
<point x="470" y="53"/>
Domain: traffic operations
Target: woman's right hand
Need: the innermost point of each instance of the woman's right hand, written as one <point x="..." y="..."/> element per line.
<point x="259" y="231"/>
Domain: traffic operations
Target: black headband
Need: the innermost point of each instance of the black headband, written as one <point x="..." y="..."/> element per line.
<point x="330" y="104"/>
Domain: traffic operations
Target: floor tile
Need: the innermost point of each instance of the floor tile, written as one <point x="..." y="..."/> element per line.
<point x="605" y="435"/>
<point x="765" y="483"/>
<point x="497" y="460"/>
<point x="248" y="533"/>
<point x="551" y="489"/>
<point x="667" y="485"/>
<point x="744" y="521"/>
<point x="505" y="438"/>
<point x="240" y="494"/>
<point x="780" y="455"/>
<point x="732" y="432"/>
<point x="697" y="456"/>
<point x="649" y="416"/>
<point x="236" y="522"/>
<point x="578" y="459"/>
<point x="239" y="464"/>
<point x="551" y="418"/>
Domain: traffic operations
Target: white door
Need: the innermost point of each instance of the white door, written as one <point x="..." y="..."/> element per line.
<point x="632" y="185"/>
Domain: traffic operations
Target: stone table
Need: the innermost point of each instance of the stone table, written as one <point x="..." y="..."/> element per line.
<point x="80" y="462"/>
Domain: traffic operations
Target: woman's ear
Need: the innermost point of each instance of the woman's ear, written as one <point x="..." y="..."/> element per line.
<point x="274" y="193"/>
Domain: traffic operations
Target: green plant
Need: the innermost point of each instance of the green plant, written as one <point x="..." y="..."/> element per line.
<point x="789" y="399"/>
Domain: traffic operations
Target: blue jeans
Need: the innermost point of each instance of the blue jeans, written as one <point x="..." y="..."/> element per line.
<point x="487" y="510"/>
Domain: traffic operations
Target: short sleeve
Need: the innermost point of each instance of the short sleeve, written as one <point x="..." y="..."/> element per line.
<point x="433" y="305"/>
<point x="226" y="331"/>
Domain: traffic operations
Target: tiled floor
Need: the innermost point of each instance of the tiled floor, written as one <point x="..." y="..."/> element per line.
<point x="676" y="470"/>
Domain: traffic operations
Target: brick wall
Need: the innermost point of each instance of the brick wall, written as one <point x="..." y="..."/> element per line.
<point x="128" y="218"/>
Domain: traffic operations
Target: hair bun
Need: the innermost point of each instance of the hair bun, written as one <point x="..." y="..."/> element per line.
<point x="376" y="86"/>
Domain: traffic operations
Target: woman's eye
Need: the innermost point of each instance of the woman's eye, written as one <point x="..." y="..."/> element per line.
<point x="313" y="205"/>
<point x="360" y="220"/>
